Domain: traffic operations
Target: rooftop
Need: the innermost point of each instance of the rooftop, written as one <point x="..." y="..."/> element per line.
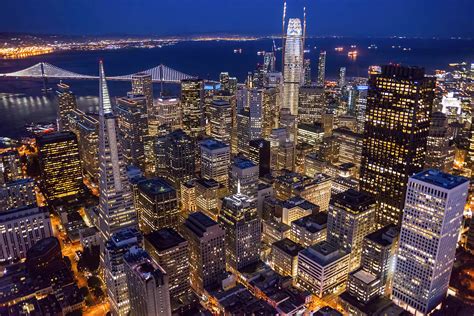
<point x="155" y="186"/>
<point x="288" y="246"/>
<point x="355" y="201"/>
<point x="164" y="238"/>
<point x="313" y="223"/>
<point x="297" y="201"/>
<point x="324" y="253"/>
<point x="440" y="179"/>
<point x="364" y="276"/>
<point x="213" y="144"/>
<point x="384" y="236"/>
<point x="243" y="163"/>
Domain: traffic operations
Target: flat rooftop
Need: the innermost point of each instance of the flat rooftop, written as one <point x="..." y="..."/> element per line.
<point x="164" y="238"/>
<point x="243" y="163"/>
<point x="155" y="186"/>
<point x="324" y="253"/>
<point x="364" y="276"/>
<point x="213" y="144"/>
<point x="440" y="179"/>
<point x="288" y="246"/>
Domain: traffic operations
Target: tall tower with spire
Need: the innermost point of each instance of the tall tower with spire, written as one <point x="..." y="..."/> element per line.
<point x="293" y="65"/>
<point x="116" y="210"/>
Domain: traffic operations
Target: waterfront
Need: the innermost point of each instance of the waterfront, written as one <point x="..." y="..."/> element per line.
<point x="21" y="101"/>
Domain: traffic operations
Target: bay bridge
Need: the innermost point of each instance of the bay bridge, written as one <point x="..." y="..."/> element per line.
<point x="44" y="71"/>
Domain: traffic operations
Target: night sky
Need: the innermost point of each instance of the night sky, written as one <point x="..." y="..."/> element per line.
<point x="423" y="18"/>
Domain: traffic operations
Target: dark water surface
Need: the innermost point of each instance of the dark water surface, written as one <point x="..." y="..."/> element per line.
<point x="22" y="102"/>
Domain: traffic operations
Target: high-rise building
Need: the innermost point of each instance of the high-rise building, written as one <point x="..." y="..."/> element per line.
<point x="293" y="65"/>
<point x="157" y="205"/>
<point x="168" y="113"/>
<point x="256" y="103"/>
<point x="18" y="193"/>
<point x="208" y="194"/>
<point x="322" y="269"/>
<point x="206" y="251"/>
<point x="351" y="217"/>
<point x="60" y="165"/>
<point x="66" y="104"/>
<point x="224" y="80"/>
<point x="378" y="254"/>
<point x="20" y="229"/>
<point x="342" y="77"/>
<point x="311" y="104"/>
<point x="307" y="72"/>
<point x="215" y="159"/>
<point x="284" y="257"/>
<point x="175" y="156"/>
<point x="243" y="177"/>
<point x="192" y="105"/>
<point x="116" y="209"/>
<point x="148" y="284"/>
<point x="430" y="229"/>
<point x="350" y="147"/>
<point x="399" y="103"/>
<point x="439" y="152"/>
<point x="269" y="60"/>
<point x="10" y="166"/>
<point x="259" y="153"/>
<point x="142" y="84"/>
<point x="221" y="120"/>
<point x="132" y="124"/>
<point x="360" y="100"/>
<point x="321" y="69"/>
<point x="115" y="248"/>
<point x="309" y="230"/>
<point x="170" y="250"/>
<point x="243" y="131"/>
<point x="239" y="219"/>
<point x="86" y="128"/>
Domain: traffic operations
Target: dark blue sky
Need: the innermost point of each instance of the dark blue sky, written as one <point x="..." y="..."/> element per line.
<point x="168" y="17"/>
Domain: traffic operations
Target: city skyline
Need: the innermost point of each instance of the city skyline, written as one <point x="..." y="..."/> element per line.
<point x="271" y="187"/>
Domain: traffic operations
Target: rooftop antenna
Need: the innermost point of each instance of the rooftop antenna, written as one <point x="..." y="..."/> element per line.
<point x="283" y="38"/>
<point x="304" y="27"/>
<point x="238" y="186"/>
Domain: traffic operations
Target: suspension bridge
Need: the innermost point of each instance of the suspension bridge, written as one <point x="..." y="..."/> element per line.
<point x="45" y="71"/>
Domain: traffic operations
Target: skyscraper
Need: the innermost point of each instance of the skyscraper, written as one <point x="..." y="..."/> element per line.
<point x="321" y="69"/>
<point x="142" y="84"/>
<point x="192" y="105"/>
<point x="206" y="251"/>
<point x="430" y="228"/>
<point x="439" y="152"/>
<point x="60" y="165"/>
<point x="399" y="103"/>
<point x="351" y="217"/>
<point x="243" y="177"/>
<point x="132" y="124"/>
<point x="116" y="209"/>
<point x="170" y="250"/>
<point x="148" y="284"/>
<point x="66" y="104"/>
<point x="307" y="72"/>
<point x="342" y="77"/>
<point x="312" y="104"/>
<point x="221" y="120"/>
<point x="239" y="219"/>
<point x="168" y="114"/>
<point x="293" y="65"/>
<point x="215" y="159"/>
<point x="175" y="156"/>
<point x="157" y="205"/>
<point x="114" y="270"/>
<point x="10" y="166"/>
